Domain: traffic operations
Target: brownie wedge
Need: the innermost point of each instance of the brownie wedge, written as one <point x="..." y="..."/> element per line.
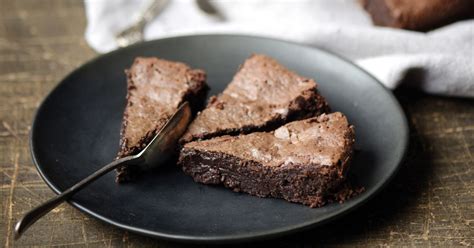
<point x="155" y="89"/>
<point x="303" y="161"/>
<point x="262" y="96"/>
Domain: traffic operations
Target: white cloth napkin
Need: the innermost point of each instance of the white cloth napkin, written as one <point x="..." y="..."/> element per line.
<point x="438" y="62"/>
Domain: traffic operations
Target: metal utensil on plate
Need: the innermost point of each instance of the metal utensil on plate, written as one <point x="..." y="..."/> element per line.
<point x="207" y="7"/>
<point x="134" y="33"/>
<point x="154" y="154"/>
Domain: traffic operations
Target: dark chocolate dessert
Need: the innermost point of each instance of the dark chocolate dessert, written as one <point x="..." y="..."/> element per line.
<point x="420" y="15"/>
<point x="156" y="88"/>
<point x="262" y="96"/>
<point x="303" y="161"/>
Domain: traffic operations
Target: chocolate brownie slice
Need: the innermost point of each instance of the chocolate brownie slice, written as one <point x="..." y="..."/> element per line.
<point x="303" y="161"/>
<point x="262" y="96"/>
<point x="156" y="88"/>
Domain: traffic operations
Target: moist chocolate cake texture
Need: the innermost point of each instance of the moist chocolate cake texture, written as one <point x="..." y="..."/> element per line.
<point x="155" y="89"/>
<point x="262" y="96"/>
<point x="303" y="161"/>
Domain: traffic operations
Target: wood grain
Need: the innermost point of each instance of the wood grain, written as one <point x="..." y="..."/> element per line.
<point x="429" y="203"/>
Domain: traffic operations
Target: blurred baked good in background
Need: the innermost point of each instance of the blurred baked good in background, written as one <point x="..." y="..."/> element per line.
<point x="419" y="15"/>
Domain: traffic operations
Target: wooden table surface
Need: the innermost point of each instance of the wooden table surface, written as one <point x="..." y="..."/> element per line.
<point x="429" y="203"/>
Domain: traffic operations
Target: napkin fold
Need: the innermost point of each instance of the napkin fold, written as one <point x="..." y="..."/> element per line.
<point x="438" y="62"/>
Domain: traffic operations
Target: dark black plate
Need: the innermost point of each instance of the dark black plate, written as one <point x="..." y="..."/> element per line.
<point x="76" y="131"/>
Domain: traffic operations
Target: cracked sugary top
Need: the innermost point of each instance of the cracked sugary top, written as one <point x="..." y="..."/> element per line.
<point x="156" y="88"/>
<point x="261" y="92"/>
<point x="325" y="140"/>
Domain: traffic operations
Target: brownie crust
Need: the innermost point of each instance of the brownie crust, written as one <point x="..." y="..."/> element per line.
<point x="262" y="96"/>
<point x="304" y="161"/>
<point x="155" y="89"/>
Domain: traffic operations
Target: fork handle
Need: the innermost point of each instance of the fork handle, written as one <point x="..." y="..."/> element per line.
<point x="154" y="8"/>
<point x="35" y="214"/>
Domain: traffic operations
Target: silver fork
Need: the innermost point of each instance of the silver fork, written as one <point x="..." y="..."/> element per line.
<point x="134" y="33"/>
<point x="207" y="7"/>
<point x="153" y="155"/>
